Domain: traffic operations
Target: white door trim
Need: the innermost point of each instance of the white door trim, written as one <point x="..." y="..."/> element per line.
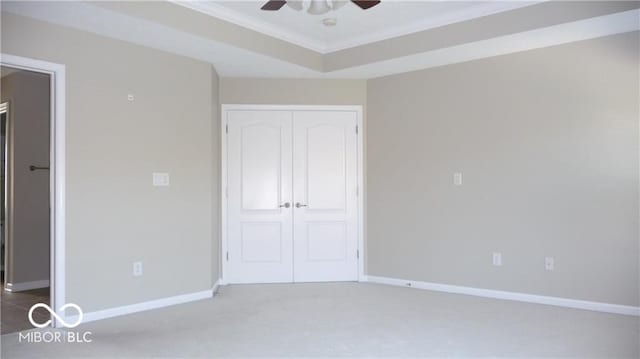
<point x="223" y="173"/>
<point x="57" y="172"/>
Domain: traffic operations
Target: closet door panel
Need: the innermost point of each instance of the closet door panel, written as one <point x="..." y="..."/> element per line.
<point x="259" y="237"/>
<point x="324" y="196"/>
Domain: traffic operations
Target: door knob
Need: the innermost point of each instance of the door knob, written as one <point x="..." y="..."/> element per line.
<point x="285" y="205"/>
<point x="298" y="205"/>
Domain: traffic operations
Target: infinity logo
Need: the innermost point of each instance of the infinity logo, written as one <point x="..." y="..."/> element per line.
<point x="48" y="308"/>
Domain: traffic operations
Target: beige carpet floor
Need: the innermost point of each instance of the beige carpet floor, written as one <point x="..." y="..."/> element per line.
<point x="14" y="309"/>
<point x="348" y="320"/>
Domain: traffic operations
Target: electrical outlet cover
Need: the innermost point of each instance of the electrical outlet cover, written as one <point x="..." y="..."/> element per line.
<point x="549" y="263"/>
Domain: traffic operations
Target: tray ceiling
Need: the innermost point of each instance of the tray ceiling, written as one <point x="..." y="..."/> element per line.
<point x="354" y="26"/>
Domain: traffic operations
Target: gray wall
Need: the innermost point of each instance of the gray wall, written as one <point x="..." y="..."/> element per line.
<point x="547" y="141"/>
<point x="292" y="92"/>
<point x="114" y="215"/>
<point x="28" y="243"/>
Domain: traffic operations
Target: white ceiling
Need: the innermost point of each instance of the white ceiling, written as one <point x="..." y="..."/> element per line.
<point x="390" y="18"/>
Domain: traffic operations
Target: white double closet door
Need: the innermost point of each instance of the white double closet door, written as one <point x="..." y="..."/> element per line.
<point x="292" y="208"/>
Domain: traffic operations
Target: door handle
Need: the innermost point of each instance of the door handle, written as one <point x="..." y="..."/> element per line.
<point x="285" y="205"/>
<point x="34" y="168"/>
<point x="298" y="205"/>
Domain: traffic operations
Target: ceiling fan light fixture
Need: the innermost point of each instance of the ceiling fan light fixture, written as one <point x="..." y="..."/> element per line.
<point x="336" y="4"/>
<point x="318" y="7"/>
<point x="329" y="21"/>
<point x="295" y="4"/>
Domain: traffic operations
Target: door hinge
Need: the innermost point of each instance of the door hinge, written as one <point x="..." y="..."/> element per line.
<point x="357" y="191"/>
<point x="227" y="256"/>
<point x="358" y="254"/>
<point x="226" y="128"/>
<point x="356" y="129"/>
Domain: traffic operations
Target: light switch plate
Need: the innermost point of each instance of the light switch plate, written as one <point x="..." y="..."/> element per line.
<point x="497" y="259"/>
<point x="457" y="178"/>
<point x="161" y="179"/>
<point x="137" y="269"/>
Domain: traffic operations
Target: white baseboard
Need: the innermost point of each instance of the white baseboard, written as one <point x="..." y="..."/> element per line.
<point x="19" y="287"/>
<point x="140" y="307"/>
<point x="498" y="294"/>
<point x="216" y="286"/>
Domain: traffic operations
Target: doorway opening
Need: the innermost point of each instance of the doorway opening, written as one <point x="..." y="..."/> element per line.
<point x="25" y="216"/>
<point x="41" y="161"/>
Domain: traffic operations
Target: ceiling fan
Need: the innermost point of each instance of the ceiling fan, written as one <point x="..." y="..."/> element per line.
<point x="317" y="7"/>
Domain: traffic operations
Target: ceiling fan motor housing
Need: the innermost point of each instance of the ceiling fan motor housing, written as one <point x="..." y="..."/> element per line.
<point x="317" y="7"/>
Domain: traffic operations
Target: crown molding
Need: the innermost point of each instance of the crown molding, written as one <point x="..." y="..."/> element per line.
<point x="231" y="61"/>
<point x="223" y="13"/>
<point x="591" y="28"/>
<point x="432" y="23"/>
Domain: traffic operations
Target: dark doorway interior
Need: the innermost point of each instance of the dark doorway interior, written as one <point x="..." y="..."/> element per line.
<point x="25" y="109"/>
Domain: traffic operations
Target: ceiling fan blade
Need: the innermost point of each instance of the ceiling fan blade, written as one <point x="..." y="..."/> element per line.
<point x="366" y="4"/>
<point x="273" y="5"/>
